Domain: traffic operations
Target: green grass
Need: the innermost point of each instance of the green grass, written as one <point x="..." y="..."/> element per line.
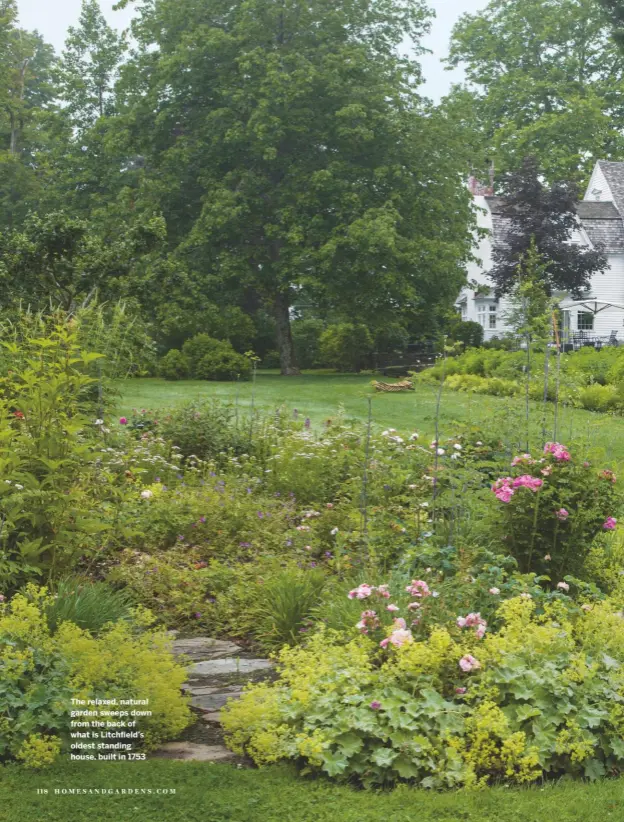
<point x="221" y="793"/>
<point x="319" y="396"/>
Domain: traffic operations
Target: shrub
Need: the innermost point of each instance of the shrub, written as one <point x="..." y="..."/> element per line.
<point x="347" y="346"/>
<point x="598" y="397"/>
<point x="206" y="428"/>
<point x="199" y="347"/>
<point x="44" y="670"/>
<point x="455" y="707"/>
<point x="175" y="365"/>
<point x="271" y="360"/>
<point x="223" y="364"/>
<point x="392" y="337"/>
<point x="551" y="509"/>
<point x="468" y="332"/>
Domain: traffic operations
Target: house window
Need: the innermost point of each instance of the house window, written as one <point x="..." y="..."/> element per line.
<point x="492" y="316"/>
<point x="481" y="315"/>
<point x="585" y="321"/>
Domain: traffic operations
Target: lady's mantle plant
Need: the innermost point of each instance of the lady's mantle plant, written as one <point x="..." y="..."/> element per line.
<point x="552" y="508"/>
<point x="542" y="695"/>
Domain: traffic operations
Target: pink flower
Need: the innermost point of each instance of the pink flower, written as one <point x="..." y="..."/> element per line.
<point x="558" y="451"/>
<point x="608" y="475"/>
<point x="392" y="608"/>
<point x="495" y="591"/>
<point x="523" y="458"/>
<point x="527" y="481"/>
<point x="330" y="505"/>
<point x="481" y="629"/>
<point x="418" y="588"/>
<point x="413" y="606"/>
<point x="610" y="524"/>
<point x="562" y="514"/>
<point x="563" y="586"/>
<point x="503" y="489"/>
<point x="368" y="622"/>
<point x="461" y="622"/>
<point x="401" y="637"/>
<point x="123" y="421"/>
<point x="399" y="623"/>
<point x="460" y="691"/>
<point x="546" y="471"/>
<point x="468" y="663"/>
<point x="383" y="591"/>
<point x="363" y="591"/>
<point x="375" y="705"/>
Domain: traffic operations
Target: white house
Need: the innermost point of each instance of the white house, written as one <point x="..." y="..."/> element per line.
<point x="600" y="224"/>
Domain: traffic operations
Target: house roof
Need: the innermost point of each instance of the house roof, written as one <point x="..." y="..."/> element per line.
<point x="614" y="175"/>
<point x="601" y="221"/>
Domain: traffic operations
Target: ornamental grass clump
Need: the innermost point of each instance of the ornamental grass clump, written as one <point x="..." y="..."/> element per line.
<point x="539" y="695"/>
<point x="552" y="508"/>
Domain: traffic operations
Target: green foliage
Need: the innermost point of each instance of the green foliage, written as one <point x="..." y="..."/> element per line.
<point x="89" y="605"/>
<point x="552" y="509"/>
<point x="347" y="346"/>
<point x="205" y="358"/>
<point x="306" y="339"/>
<point x="284" y="607"/>
<point x="43" y="670"/>
<point x="174" y="365"/>
<point x="447" y="709"/>
<point x="49" y="481"/>
<point x="468" y="332"/>
<point x="206" y="428"/>
<point x="517" y="89"/>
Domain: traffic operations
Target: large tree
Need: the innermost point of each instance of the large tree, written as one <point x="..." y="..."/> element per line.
<point x="541" y="222"/>
<point x="27" y="115"/>
<point x="287" y="146"/>
<point x="548" y="80"/>
<point x="89" y="66"/>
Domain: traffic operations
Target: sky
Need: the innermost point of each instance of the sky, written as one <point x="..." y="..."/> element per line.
<point x="52" y="17"/>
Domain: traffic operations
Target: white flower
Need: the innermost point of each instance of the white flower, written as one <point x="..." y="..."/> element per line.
<point x="99" y="422"/>
<point x="479" y="443"/>
<point x="147" y="494"/>
<point x="412" y="487"/>
<point x="455" y="456"/>
<point x="563" y="586"/>
<point x="19" y="487"/>
<point x="333" y="532"/>
<point x="457" y="447"/>
<point x="385" y="433"/>
<point x="440" y="452"/>
<point x="414" y="436"/>
<point x="495" y="591"/>
<point x="424" y="505"/>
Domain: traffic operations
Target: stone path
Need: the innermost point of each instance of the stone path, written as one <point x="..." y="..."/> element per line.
<point x="218" y="672"/>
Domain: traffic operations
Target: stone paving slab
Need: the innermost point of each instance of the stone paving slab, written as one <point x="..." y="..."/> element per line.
<point x="201" y="648"/>
<point x="194" y="751"/>
<point x="220" y="667"/>
<point x="213" y="702"/>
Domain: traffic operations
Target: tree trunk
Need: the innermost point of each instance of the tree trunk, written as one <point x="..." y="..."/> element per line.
<point x="288" y="361"/>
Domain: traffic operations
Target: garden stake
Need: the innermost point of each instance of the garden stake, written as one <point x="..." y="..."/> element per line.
<point x="364" y="496"/>
<point x="437" y="435"/>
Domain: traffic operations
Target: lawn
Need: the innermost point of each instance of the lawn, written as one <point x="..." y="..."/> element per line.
<point x="221" y="793"/>
<point x="319" y="396"/>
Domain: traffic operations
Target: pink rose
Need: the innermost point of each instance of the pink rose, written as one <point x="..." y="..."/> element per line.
<point x="610" y="524"/>
<point x="123" y="421"/>
<point x="562" y="514"/>
<point x="468" y="663"/>
<point x="392" y="608"/>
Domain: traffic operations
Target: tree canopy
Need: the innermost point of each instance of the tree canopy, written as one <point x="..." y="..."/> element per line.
<point x="548" y="81"/>
<point x="540" y="223"/>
